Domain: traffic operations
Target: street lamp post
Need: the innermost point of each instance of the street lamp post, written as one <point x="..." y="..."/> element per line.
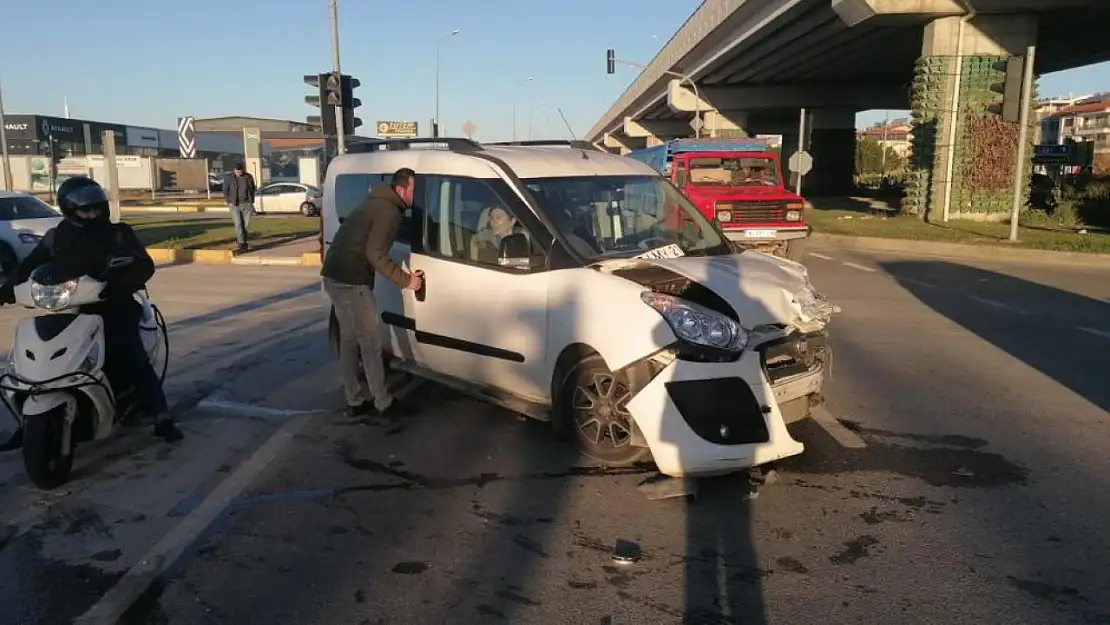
<point x="439" y="45"/>
<point x="525" y="81"/>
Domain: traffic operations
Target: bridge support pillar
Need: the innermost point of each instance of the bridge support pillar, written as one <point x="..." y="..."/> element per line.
<point x="831" y="141"/>
<point x="958" y="57"/>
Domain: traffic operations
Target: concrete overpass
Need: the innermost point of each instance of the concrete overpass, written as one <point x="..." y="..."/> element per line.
<point x="757" y="62"/>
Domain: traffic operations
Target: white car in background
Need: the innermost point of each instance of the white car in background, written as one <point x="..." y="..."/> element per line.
<point x="24" y="219"/>
<point x="288" y="197"/>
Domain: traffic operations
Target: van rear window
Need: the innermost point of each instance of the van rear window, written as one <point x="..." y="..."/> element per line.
<point x="352" y="189"/>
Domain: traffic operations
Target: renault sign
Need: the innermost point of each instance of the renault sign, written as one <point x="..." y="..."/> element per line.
<point x="396" y="130"/>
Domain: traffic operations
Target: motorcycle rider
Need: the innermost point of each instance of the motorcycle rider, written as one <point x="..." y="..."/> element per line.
<point x="88" y="239"/>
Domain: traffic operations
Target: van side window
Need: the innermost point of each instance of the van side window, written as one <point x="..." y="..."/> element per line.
<point x="351" y="190"/>
<point x="465" y="219"/>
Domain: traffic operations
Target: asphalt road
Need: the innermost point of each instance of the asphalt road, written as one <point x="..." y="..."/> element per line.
<point x="979" y="389"/>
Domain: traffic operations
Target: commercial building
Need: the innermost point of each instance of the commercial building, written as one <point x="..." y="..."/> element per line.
<point x="1086" y="121"/>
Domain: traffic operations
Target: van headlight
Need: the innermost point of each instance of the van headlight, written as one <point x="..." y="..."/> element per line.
<point x="53" y="296"/>
<point x="697" y="324"/>
<point x="29" y="237"/>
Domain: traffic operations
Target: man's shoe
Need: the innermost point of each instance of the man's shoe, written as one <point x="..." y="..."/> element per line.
<point x="360" y="410"/>
<point x="167" y="430"/>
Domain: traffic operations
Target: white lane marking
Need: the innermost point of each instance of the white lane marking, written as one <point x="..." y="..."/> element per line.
<point x="860" y="267"/>
<point x="111" y="606"/>
<point x="922" y="283"/>
<point x="1095" y="331"/>
<point x="816" y="255"/>
<point x="997" y="304"/>
<point x="252" y="410"/>
<point x="836" y="429"/>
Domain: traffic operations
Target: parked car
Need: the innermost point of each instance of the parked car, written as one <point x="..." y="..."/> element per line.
<point x="610" y="305"/>
<point x="216" y="181"/>
<point x="288" y="197"/>
<point x="24" y="219"/>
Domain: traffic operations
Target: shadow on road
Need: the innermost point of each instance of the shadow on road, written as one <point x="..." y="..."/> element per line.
<point x="1061" y="352"/>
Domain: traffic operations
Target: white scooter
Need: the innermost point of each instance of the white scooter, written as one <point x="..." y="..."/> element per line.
<point x="55" y="384"/>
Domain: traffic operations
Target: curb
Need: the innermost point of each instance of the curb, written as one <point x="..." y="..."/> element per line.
<point x="169" y="256"/>
<point x="961" y="250"/>
<point x="172" y="208"/>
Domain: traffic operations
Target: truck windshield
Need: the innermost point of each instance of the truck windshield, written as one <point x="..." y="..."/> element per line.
<point x="737" y="171"/>
<point x="624" y="216"/>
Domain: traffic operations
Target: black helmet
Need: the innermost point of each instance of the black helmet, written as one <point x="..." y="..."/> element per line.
<point x="83" y="193"/>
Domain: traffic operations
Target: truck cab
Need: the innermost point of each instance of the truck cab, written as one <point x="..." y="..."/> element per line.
<point x="738" y="183"/>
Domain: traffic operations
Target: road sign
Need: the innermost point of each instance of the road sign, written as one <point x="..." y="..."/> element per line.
<point x="186" y="137"/>
<point x="468" y="129"/>
<point x="396" y="130"/>
<point x="1051" y="154"/>
<point x="696" y="123"/>
<point x="800" y="162"/>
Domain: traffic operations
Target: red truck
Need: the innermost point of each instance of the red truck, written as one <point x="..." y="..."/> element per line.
<point x="739" y="183"/>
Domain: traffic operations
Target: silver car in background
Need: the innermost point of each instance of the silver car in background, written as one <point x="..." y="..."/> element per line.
<point x="24" y="219"/>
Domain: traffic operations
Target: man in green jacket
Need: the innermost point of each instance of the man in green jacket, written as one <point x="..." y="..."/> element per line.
<point x="359" y="251"/>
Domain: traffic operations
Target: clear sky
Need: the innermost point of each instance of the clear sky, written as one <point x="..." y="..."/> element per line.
<point x="163" y="59"/>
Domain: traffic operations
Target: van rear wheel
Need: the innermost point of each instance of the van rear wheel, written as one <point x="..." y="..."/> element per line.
<point x="592" y="401"/>
<point x="43" y="459"/>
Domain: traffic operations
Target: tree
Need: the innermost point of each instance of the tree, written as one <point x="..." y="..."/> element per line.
<point x="869" y="158"/>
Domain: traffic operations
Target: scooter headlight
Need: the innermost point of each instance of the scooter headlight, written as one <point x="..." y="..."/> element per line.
<point x="53" y="296"/>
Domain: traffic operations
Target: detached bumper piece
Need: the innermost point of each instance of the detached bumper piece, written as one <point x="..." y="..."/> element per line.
<point x="723" y="411"/>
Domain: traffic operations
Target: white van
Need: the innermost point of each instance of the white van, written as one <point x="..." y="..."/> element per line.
<point x="612" y="308"/>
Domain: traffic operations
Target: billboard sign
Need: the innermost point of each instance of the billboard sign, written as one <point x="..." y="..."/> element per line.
<point x="397" y="130"/>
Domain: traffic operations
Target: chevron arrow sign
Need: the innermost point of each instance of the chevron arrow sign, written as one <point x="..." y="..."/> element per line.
<point x="186" y="137"/>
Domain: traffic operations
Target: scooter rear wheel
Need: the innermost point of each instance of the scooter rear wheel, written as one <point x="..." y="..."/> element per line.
<point x="43" y="459"/>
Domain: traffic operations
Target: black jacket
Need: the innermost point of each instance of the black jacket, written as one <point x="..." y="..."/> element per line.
<point x="361" y="245"/>
<point x="231" y="188"/>
<point x="88" y="250"/>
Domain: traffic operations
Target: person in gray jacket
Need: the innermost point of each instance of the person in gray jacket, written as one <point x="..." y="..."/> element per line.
<point x="360" y="251"/>
<point x="239" y="191"/>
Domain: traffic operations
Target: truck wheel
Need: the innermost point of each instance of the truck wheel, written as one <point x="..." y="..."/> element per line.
<point x="591" y="401"/>
<point x="47" y="467"/>
<point x="795" y="250"/>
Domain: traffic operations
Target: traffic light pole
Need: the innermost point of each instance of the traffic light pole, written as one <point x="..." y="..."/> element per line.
<point x="341" y="140"/>
<point x="1023" y="134"/>
<point x="683" y="78"/>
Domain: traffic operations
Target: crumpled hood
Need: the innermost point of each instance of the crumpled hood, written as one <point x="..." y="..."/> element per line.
<point x="763" y="289"/>
<point x="35" y="226"/>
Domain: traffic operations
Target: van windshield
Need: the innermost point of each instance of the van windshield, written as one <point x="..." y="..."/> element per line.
<point x="625" y="216"/>
<point x="733" y="172"/>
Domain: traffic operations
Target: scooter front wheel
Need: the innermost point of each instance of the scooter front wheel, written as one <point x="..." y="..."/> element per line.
<point x="43" y="459"/>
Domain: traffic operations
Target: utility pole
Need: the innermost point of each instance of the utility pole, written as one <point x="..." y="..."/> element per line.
<point x="4" y="146"/>
<point x="439" y="45"/>
<point x="1023" y="133"/>
<point x="341" y="140"/>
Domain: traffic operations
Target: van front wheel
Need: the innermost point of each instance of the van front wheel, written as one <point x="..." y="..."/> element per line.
<point x="593" y="401"/>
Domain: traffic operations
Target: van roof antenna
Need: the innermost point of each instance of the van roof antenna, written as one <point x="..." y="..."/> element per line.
<point x="571" y="131"/>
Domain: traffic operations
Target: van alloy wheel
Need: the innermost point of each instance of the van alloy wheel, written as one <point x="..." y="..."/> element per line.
<point x="597" y="402"/>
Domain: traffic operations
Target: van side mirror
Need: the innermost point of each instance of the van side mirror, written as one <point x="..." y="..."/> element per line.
<point x="515" y="252"/>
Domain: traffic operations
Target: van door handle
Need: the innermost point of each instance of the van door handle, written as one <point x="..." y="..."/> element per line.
<point x="422" y="292"/>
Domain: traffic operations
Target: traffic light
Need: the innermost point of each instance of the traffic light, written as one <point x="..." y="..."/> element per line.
<point x="610" y="61"/>
<point x="347" y="86"/>
<point x="326" y="119"/>
<point x="1010" y="88"/>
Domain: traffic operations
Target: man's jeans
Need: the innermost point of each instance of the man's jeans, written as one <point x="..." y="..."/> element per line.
<point x="241" y="220"/>
<point x="358" y="332"/>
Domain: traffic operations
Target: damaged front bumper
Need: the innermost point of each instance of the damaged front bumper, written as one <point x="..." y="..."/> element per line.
<point x="712" y="418"/>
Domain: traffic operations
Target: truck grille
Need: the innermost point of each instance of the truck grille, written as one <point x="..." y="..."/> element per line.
<point x="753" y="212"/>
